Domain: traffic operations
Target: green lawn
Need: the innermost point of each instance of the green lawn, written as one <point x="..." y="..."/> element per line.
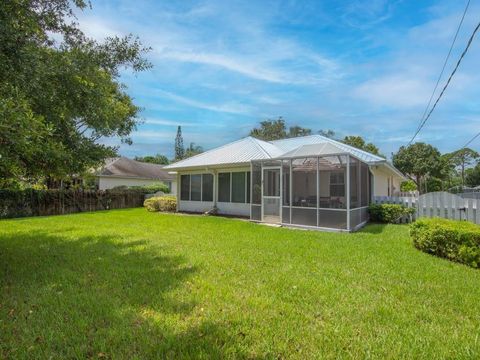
<point x="132" y="284"/>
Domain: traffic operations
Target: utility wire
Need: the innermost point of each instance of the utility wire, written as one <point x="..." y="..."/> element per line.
<point x="424" y="119"/>
<point x="470" y="141"/>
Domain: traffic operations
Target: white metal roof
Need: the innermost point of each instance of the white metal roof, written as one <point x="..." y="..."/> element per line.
<point x="237" y="152"/>
<point x="247" y="149"/>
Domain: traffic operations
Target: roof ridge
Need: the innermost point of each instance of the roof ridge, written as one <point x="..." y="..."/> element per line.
<point x="257" y="142"/>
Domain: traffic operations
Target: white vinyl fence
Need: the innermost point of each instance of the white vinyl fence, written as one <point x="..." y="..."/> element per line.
<point x="438" y="204"/>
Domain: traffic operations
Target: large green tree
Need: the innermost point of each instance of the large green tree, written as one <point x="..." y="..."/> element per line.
<point x="277" y="129"/>
<point x="360" y="143"/>
<point x="58" y="99"/>
<point x="419" y="161"/>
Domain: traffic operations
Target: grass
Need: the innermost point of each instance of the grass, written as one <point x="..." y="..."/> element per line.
<point x="132" y="284"/>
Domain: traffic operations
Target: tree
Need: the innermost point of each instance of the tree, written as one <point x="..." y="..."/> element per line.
<point x="419" y="161"/>
<point x="58" y="99"/>
<point x="473" y="176"/>
<point x="296" y="131"/>
<point x="408" y="185"/>
<point x="193" y="150"/>
<point x="270" y="130"/>
<point x="179" y="149"/>
<point x="359" y="142"/>
<point x="276" y="130"/>
<point x="327" y="133"/>
<point x="157" y="159"/>
<point x="463" y="158"/>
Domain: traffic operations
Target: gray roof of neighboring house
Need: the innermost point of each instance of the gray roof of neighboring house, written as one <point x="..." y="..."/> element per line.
<point x="128" y="168"/>
<point x="248" y="149"/>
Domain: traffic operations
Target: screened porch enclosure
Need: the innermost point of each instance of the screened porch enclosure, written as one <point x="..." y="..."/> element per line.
<point x="316" y="191"/>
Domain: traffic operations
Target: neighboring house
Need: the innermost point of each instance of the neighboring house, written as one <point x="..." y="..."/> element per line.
<point x="127" y="172"/>
<point x="310" y="181"/>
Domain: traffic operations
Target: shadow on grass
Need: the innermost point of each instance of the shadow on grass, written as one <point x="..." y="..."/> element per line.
<point x="96" y="296"/>
<point x="373" y="228"/>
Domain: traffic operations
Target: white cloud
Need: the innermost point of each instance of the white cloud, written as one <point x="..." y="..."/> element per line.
<point x="228" y="107"/>
<point x="395" y="91"/>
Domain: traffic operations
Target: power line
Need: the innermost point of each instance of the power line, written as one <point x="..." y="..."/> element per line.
<point x="424" y="119"/>
<point x="470" y="141"/>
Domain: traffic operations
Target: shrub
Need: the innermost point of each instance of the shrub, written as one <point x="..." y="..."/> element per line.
<point x="452" y="239"/>
<point x="161" y="203"/>
<point x="408" y="185"/>
<point x="147" y="189"/>
<point x="389" y="213"/>
<point x="153" y="188"/>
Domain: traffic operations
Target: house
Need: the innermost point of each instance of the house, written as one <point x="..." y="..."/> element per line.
<point x="122" y="171"/>
<point x="310" y="181"/>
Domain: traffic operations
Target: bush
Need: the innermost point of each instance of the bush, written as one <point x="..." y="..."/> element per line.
<point x="452" y="239"/>
<point x="147" y="189"/>
<point x="161" y="203"/>
<point x="389" y="213"/>
<point x="408" y="185"/>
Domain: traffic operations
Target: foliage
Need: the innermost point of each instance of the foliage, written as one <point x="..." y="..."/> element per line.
<point x="418" y="161"/>
<point x="156" y="159"/>
<point x="161" y="203"/>
<point x="41" y="202"/>
<point x="276" y="130"/>
<point x="135" y="277"/>
<point x="434" y="184"/>
<point x="473" y="176"/>
<point x="152" y="188"/>
<point x="359" y="142"/>
<point x="57" y="99"/>
<point x="179" y="148"/>
<point x="462" y="159"/>
<point x="408" y="185"/>
<point x="296" y="131"/>
<point x="327" y="133"/>
<point x="452" y="239"/>
<point x="389" y="213"/>
<point x="193" y="150"/>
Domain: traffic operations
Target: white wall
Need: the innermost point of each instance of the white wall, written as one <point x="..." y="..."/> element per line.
<point x="107" y="182"/>
<point x="382" y="180"/>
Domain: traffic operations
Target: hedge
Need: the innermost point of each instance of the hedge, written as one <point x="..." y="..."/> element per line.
<point x="389" y="213"/>
<point x="451" y="239"/>
<point x="31" y="202"/>
<point x="161" y="203"/>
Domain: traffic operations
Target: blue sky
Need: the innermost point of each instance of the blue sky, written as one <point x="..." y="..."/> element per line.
<point x="357" y="67"/>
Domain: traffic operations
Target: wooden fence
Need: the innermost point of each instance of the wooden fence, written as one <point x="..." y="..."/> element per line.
<point x="438" y="204"/>
<point x="21" y="203"/>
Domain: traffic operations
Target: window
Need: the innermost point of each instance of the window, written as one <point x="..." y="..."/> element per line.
<point x="207" y="187"/>
<point x="196" y="187"/>
<point x="234" y="187"/>
<point x="224" y="187"/>
<point x="238" y="187"/>
<point x="185" y="187"/>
